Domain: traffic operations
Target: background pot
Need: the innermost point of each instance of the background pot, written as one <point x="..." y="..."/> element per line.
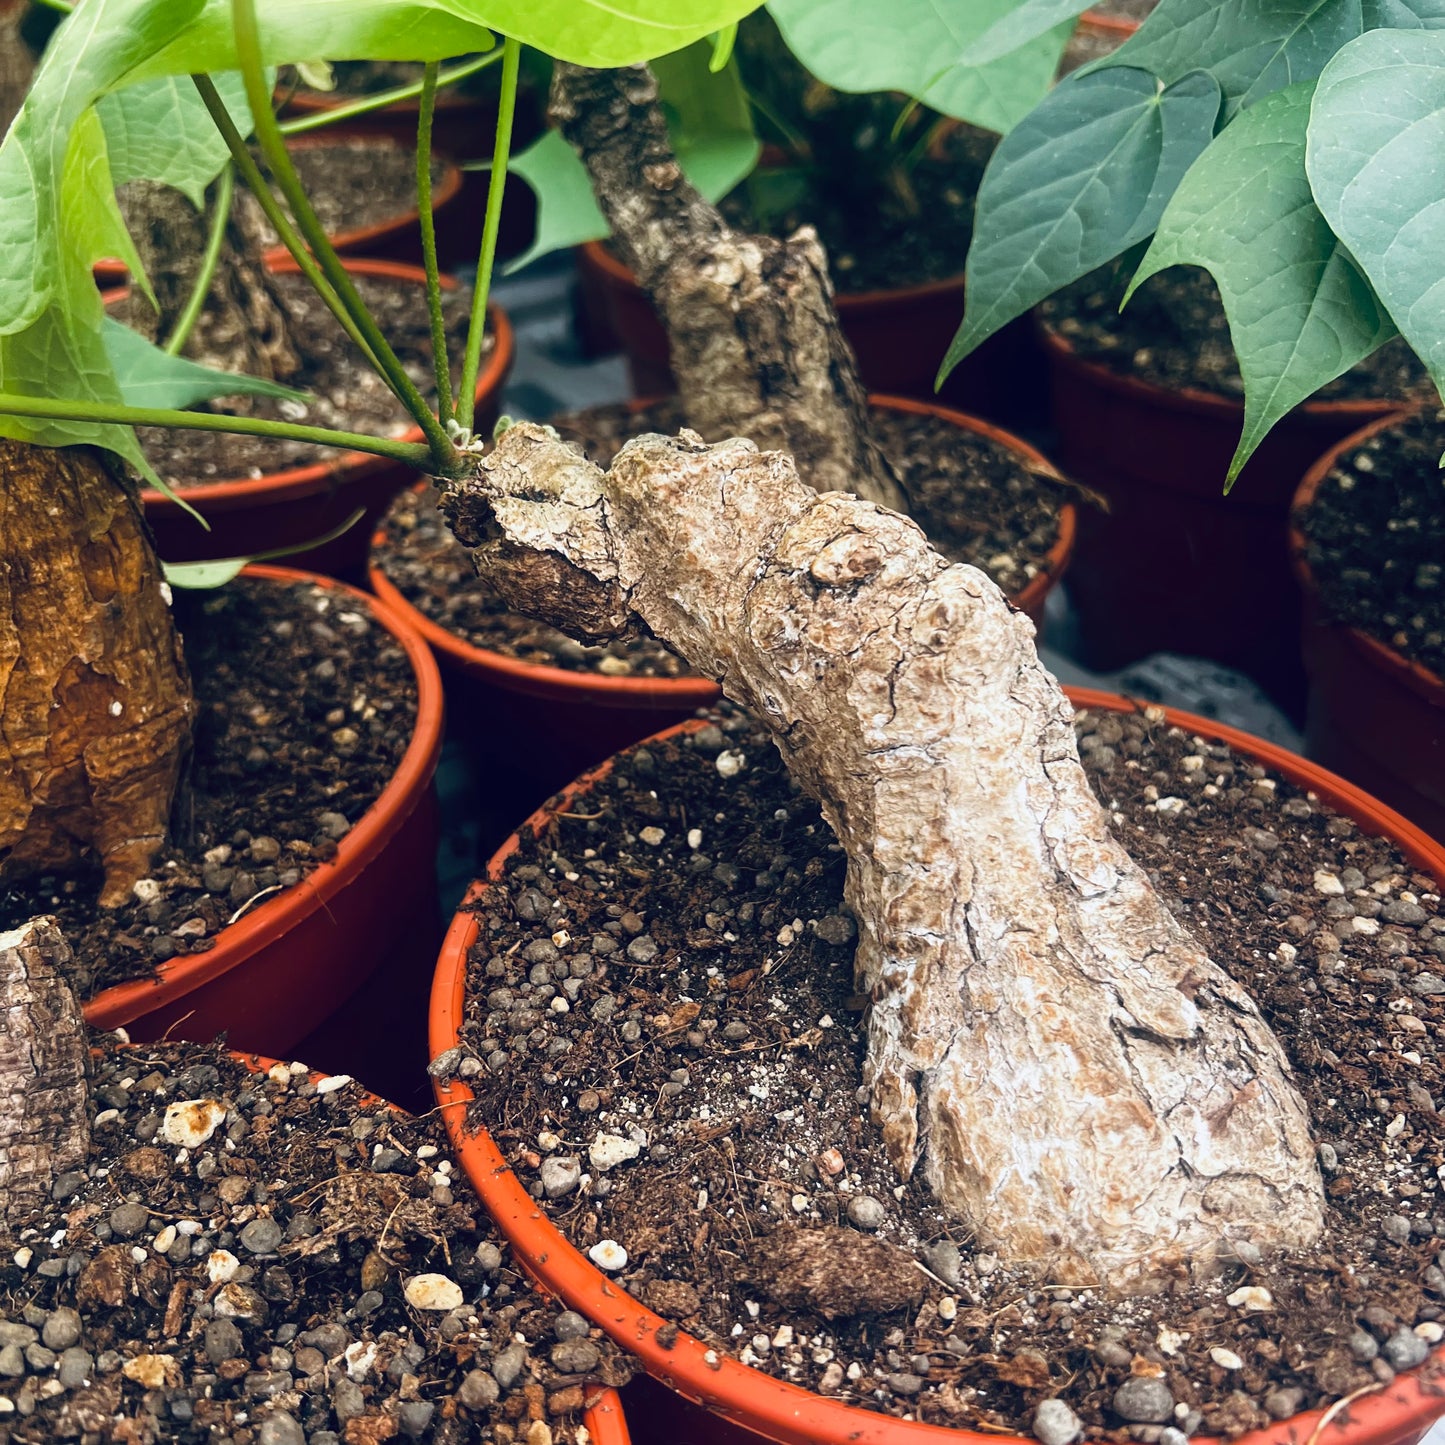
<point x="899" y="336"/>
<point x="1174" y="565"/>
<point x="529" y="729"/>
<point x="276" y="979"/>
<point x="1373" y="715"/>
<point x="770" y="1408"/>
<point x="289" y="508"/>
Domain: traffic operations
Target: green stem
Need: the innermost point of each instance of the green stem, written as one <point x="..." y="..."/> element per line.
<point x="251" y="173"/>
<point x="365" y="104"/>
<point x="921" y="146"/>
<point x="273" y="148"/>
<point x="196" y="303"/>
<point x="501" y="154"/>
<point x="429" y="244"/>
<point x="413" y="453"/>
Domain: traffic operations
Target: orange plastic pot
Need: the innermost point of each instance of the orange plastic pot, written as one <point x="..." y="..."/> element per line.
<point x="773" y="1409"/>
<point x="279" y="972"/>
<point x="1373" y="715"/>
<point x="899" y="337"/>
<point x="251" y="515"/>
<point x="1174" y="565"/>
<point x="532" y="728"/>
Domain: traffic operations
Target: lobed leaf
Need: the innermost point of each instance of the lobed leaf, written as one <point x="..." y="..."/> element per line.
<point x="151" y="377"/>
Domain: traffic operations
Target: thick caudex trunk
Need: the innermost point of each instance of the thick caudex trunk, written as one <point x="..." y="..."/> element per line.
<point x="1082" y="1086"/>
<point x="17" y="66"/>
<point x="755" y="342"/>
<point x="246" y="325"/>
<point x="95" y="700"/>
<point x="44" y="1113"/>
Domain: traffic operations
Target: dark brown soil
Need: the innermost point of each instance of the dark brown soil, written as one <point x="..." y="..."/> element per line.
<point x="670" y="968"/>
<point x="357" y="78"/>
<point x="1174" y="333"/>
<point x="354" y="182"/>
<point x="304" y="707"/>
<point x="1376" y="535"/>
<point x="972" y="496"/>
<point x="345" y="392"/>
<point x="251" y="1288"/>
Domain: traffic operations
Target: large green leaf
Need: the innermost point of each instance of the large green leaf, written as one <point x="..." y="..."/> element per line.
<point x="709" y="120"/>
<point x="1255" y="46"/>
<point x="160" y="130"/>
<point x="1300" y="312"/>
<point x="922" y="47"/>
<point x="149" y="376"/>
<point x="1376" y="163"/>
<point x="1085" y="177"/>
<point x="1025" y="20"/>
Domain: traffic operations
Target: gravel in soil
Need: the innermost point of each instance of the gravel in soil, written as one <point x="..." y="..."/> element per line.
<point x="304" y="708"/>
<point x="973" y="497"/>
<point x="1375" y="536"/>
<point x="1174" y="333"/>
<point x="268" y="1259"/>
<point x="664" y="1034"/>
<point x="343" y="392"/>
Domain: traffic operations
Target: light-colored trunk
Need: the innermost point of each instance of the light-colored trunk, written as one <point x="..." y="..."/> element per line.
<point x="1081" y="1084"/>
<point x="44" y="1109"/>
<point x="95" y="699"/>
<point x="756" y="347"/>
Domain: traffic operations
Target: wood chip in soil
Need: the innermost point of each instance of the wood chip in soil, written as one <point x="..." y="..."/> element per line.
<point x="345" y="393"/>
<point x="304" y="708"/>
<point x="972" y="496"/>
<point x="1174" y="333"/>
<point x="1376" y="539"/>
<point x="253" y="1287"/>
<point x="661" y="1011"/>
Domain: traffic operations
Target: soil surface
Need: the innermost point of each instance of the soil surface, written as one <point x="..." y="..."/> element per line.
<point x="304" y="708"/>
<point x="356" y="78"/>
<point x="344" y="392"/>
<point x="1376" y="539"/>
<point x="1174" y="333"/>
<point x="661" y="1001"/>
<point x="354" y="182"/>
<point x="974" y="498"/>
<point x="252" y="1286"/>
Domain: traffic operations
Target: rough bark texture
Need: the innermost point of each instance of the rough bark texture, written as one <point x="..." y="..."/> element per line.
<point x="95" y="700"/>
<point x="1082" y="1085"/>
<point x="756" y="347"/>
<point x="44" y="1111"/>
<point x="16" y="63"/>
<point x="246" y="325"/>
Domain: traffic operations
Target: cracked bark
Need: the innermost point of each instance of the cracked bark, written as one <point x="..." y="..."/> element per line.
<point x="1082" y="1086"/>
<point x="756" y="346"/>
<point x="44" y="1109"/>
<point x="95" y="700"/>
<point x="246" y="324"/>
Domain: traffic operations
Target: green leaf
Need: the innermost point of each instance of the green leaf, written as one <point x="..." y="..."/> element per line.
<point x="1376" y="163"/>
<point x="1300" y="312"/>
<point x="722" y="46"/>
<point x="160" y="130"/>
<point x="1080" y="181"/>
<point x="149" y="376"/>
<point x="1025" y="20"/>
<point x="203" y="576"/>
<point x="922" y="47"/>
<point x="709" y="121"/>
<point x="1253" y="47"/>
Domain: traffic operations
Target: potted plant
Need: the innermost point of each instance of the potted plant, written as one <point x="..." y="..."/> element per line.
<point x="201" y="1241"/>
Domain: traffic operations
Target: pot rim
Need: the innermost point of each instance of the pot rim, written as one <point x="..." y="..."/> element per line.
<point x="845" y="303"/>
<point x="294" y="483"/>
<point x="788" y="1413"/>
<point x="1384" y="658"/>
<point x="120" y="1004"/>
<point x="1195" y="399"/>
<point x="1120" y="25"/>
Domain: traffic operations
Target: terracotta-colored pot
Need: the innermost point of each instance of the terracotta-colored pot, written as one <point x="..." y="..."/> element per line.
<point x="278" y="973"/>
<point x="771" y="1408"/>
<point x="289" y="508"/>
<point x="899" y="336"/>
<point x="1174" y="565"/>
<point x="532" y="728"/>
<point x="1373" y="715"/>
<point x="1114" y="27"/>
